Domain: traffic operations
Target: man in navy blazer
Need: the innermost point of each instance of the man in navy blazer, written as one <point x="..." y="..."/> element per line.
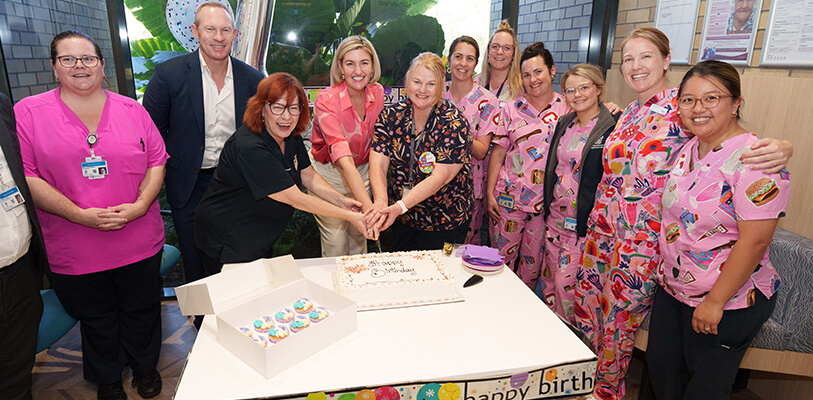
<point x="22" y="261"/>
<point x="197" y="101"/>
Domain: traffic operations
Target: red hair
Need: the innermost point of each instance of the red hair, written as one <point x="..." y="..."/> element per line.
<point x="271" y="89"/>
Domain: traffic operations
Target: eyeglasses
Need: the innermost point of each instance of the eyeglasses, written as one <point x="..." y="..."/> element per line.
<point x="687" y="102"/>
<point x="278" y="109"/>
<point x="70" y="61"/>
<point x="507" y="48"/>
<point x="571" y="91"/>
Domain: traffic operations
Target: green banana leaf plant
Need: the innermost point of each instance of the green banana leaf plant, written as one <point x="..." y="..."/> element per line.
<point x="319" y="26"/>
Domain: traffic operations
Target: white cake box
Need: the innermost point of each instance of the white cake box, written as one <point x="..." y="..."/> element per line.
<point x="242" y="293"/>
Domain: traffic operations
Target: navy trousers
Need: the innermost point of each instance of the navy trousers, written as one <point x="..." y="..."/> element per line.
<point x="688" y="365"/>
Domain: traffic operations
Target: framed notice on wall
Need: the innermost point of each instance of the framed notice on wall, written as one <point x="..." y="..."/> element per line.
<point x="730" y="29"/>
<point x="678" y="20"/>
<point x="789" y="35"/>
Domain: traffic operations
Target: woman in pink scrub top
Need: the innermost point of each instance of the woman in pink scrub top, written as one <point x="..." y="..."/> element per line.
<point x="482" y="109"/>
<point x="517" y="167"/>
<point x="716" y="280"/>
<point x="95" y="162"/>
<point x="616" y="278"/>
<point x="343" y="124"/>
<point x="574" y="168"/>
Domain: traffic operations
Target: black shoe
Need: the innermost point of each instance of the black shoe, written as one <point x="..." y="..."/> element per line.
<point x="148" y="385"/>
<point x="111" y="391"/>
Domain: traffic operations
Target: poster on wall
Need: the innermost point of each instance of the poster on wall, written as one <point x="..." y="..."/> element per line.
<point x="789" y="35"/>
<point x="730" y="28"/>
<point x="678" y="20"/>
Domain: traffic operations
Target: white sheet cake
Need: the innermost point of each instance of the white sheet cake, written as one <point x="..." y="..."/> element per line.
<point x="378" y="280"/>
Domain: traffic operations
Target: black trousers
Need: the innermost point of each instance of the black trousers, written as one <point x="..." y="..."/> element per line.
<point x="405" y="238"/>
<point x="119" y="311"/>
<point x="684" y="364"/>
<point x="184" y="220"/>
<point x="20" y="313"/>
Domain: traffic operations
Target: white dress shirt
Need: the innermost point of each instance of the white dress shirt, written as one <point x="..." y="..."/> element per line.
<point x="218" y="112"/>
<point x="15" y="230"/>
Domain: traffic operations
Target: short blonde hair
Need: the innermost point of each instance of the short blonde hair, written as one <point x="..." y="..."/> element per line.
<point x="213" y="4"/>
<point x="587" y="71"/>
<point x="346" y="46"/>
<point x="432" y="62"/>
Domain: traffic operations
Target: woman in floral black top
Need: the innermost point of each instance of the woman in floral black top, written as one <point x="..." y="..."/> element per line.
<point x="430" y="198"/>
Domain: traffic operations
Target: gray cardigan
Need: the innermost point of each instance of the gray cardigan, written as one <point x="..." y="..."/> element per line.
<point x="591" y="167"/>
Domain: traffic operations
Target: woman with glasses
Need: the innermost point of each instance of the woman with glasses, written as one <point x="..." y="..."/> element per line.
<point x="616" y="278"/>
<point x="263" y="169"/>
<point x="424" y="144"/>
<point x="482" y="109"/>
<point x="343" y="121"/>
<point x="572" y="174"/>
<point x="716" y="212"/>
<point x="95" y="161"/>
<point x="501" y="73"/>
<point x="516" y="169"/>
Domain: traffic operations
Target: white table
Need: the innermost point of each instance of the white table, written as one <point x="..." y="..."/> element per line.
<point x="500" y="329"/>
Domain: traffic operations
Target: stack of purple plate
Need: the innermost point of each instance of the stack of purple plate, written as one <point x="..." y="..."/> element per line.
<point x="482" y="260"/>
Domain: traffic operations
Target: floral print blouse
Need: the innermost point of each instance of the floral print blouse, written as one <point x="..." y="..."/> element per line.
<point x="445" y="139"/>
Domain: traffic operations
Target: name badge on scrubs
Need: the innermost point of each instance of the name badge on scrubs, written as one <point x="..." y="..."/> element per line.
<point x="11" y="198"/>
<point x="570" y="224"/>
<point x="426" y="162"/>
<point x="505" y="200"/>
<point x="94" y="168"/>
<point x="658" y="109"/>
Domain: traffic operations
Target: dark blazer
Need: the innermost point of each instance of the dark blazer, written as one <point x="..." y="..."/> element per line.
<point x="174" y="99"/>
<point x="11" y="149"/>
<point x="591" y="167"/>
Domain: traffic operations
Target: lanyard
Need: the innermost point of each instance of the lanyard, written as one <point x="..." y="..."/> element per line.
<point x="92" y="139"/>
<point x="413" y="139"/>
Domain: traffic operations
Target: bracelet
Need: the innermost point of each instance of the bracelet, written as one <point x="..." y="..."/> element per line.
<point x="403" y="206"/>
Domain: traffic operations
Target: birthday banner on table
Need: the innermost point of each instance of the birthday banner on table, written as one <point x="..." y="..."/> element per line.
<point x="392" y="94"/>
<point x="563" y="381"/>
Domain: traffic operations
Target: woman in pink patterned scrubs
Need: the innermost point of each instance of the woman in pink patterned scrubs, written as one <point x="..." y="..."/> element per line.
<point x="573" y="171"/>
<point x="482" y="109"/>
<point x="517" y="167"/>
<point x="615" y="281"/>
<point x="716" y="280"/>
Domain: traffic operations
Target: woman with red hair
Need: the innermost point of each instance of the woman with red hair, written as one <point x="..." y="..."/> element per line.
<point x="258" y="183"/>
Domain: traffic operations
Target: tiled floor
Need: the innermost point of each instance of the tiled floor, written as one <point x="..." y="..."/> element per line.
<point x="58" y="371"/>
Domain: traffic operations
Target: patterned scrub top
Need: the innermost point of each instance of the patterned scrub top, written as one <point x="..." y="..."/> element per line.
<point x="526" y="133"/>
<point x="338" y="131"/>
<point x="702" y="202"/>
<point x="637" y="161"/>
<point x="482" y="109"/>
<point x="566" y="190"/>
<point x="446" y="139"/>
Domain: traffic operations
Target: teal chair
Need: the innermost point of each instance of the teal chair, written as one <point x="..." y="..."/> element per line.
<point x="169" y="259"/>
<point x="56" y="322"/>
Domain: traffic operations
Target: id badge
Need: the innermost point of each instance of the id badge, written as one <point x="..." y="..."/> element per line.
<point x="505" y="200"/>
<point x="94" y="168"/>
<point x="11" y="198"/>
<point x="658" y="109"/>
<point x="405" y="190"/>
<point x="570" y="224"/>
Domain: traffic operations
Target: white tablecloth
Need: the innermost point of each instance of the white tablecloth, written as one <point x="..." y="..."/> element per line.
<point x="501" y="328"/>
